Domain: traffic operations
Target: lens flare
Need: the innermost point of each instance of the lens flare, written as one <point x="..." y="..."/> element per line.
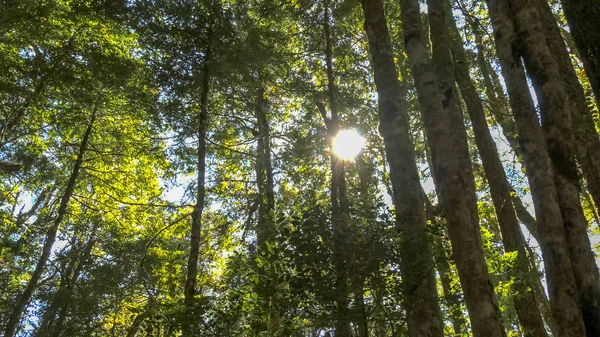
<point x="348" y="144"/>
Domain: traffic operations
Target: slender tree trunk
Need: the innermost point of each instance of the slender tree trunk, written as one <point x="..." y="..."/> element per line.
<point x="57" y="326"/>
<point x="23" y="300"/>
<point x="451" y="295"/>
<point x="367" y="207"/>
<point x="504" y="118"/>
<point x="452" y="174"/>
<point x="417" y="268"/>
<point x="196" y="228"/>
<point x="524" y="300"/>
<point x="524" y="216"/>
<point x="584" y="129"/>
<point x="359" y="305"/>
<point x="559" y="273"/>
<point x="583" y="17"/>
<point x="556" y="120"/>
<point x="269" y="290"/>
<point x="493" y="90"/>
<point x="57" y="311"/>
<point x="339" y="201"/>
<point x="49" y="316"/>
<point x="540" y="295"/>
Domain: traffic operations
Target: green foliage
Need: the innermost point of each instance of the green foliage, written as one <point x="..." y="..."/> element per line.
<point x="119" y="262"/>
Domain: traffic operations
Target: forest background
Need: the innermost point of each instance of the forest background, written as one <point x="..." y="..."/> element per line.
<point x="167" y="168"/>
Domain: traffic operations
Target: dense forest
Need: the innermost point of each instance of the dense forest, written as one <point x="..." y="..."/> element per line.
<point x="299" y="168"/>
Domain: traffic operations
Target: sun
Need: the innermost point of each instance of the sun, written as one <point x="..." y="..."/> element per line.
<point x="348" y="144"/>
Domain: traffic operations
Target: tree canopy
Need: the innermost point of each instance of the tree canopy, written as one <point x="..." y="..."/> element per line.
<point x="168" y="168"/>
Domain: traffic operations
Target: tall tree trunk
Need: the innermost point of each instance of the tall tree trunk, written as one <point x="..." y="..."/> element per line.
<point x="453" y="176"/>
<point x="557" y="124"/>
<point x="584" y="129"/>
<point x="512" y="238"/>
<point x="559" y="273"/>
<point x="358" y="276"/>
<point x="424" y="317"/>
<point x="503" y="117"/>
<point x="23" y="300"/>
<point x="196" y="228"/>
<point x="269" y="289"/>
<point x="494" y="93"/>
<point x="340" y="219"/>
<point x="583" y="17"/>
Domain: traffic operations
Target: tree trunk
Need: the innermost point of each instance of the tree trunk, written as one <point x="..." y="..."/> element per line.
<point x="451" y="295"/>
<point x="359" y="305"/>
<point x="340" y="207"/>
<point x="584" y="129"/>
<point x="57" y="311"/>
<point x="512" y="238"/>
<point x="23" y="300"/>
<point x="265" y="232"/>
<point x="452" y="175"/>
<point x="583" y="17"/>
<point x="559" y="273"/>
<point x="556" y="121"/>
<point x="417" y="268"/>
<point x="196" y="228"/>
<point x="504" y="118"/>
<point x="493" y="90"/>
<point x="57" y="326"/>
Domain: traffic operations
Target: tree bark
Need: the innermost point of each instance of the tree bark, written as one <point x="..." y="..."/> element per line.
<point x="23" y="300"/>
<point x="417" y="268"/>
<point x="559" y="273"/>
<point x="500" y="190"/>
<point x="583" y="17"/>
<point x="587" y="143"/>
<point x="452" y="173"/>
<point x="557" y="124"/>
<point x="196" y="227"/>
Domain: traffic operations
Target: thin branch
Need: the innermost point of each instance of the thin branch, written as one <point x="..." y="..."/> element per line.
<point x="160" y="231"/>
